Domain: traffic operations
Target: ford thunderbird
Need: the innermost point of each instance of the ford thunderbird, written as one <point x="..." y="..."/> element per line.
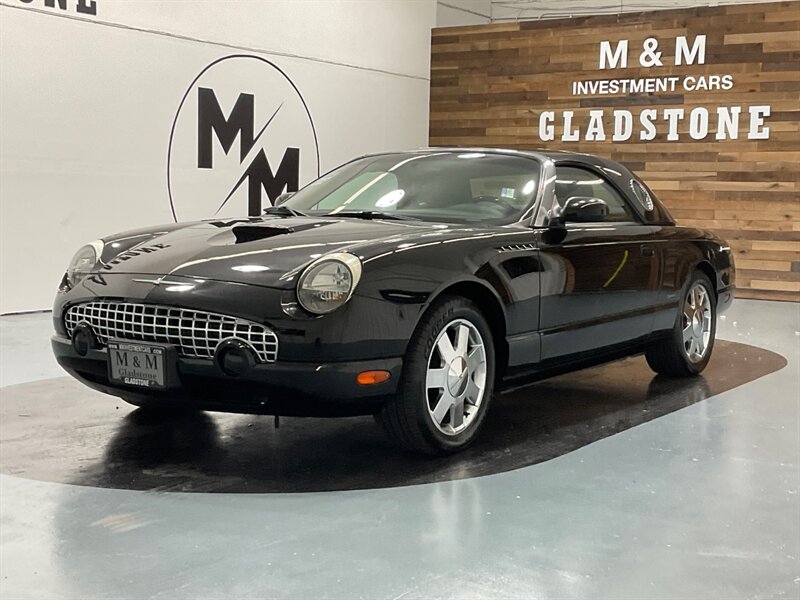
<point x="412" y="286"/>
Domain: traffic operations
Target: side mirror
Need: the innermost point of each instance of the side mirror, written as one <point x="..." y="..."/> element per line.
<point x="283" y="198"/>
<point x="580" y="209"/>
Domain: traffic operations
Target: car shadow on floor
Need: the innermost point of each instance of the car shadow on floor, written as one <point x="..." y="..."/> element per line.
<point x="215" y="452"/>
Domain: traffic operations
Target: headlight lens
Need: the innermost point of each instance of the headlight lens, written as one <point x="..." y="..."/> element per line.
<point x="328" y="283"/>
<point x="84" y="261"/>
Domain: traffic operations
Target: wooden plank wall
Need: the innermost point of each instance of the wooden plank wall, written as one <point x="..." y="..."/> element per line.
<point x="490" y="83"/>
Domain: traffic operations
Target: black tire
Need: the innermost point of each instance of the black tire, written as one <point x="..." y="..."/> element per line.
<point x="670" y="356"/>
<point x="406" y="418"/>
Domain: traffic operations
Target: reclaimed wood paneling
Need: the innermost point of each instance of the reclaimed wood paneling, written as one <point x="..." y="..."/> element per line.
<point x="490" y="84"/>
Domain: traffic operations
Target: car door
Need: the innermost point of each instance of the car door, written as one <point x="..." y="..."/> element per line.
<point x="599" y="281"/>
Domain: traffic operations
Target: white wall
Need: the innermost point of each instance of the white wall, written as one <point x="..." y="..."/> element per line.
<point x="391" y="35"/>
<point x="87" y="103"/>
<point x="452" y="13"/>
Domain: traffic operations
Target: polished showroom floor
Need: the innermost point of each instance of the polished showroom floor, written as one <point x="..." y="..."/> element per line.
<point x="606" y="484"/>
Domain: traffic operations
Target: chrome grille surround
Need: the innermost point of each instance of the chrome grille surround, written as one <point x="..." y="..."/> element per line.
<point x="195" y="333"/>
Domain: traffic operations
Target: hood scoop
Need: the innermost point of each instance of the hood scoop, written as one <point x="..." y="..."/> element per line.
<point x="262" y="231"/>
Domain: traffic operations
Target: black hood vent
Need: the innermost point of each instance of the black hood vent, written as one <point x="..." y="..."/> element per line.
<point x="262" y="231"/>
<point x="252" y="233"/>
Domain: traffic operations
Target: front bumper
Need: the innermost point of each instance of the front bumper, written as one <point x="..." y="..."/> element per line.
<point x="282" y="388"/>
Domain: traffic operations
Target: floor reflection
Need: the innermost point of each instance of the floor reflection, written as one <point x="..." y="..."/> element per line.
<point x="57" y="430"/>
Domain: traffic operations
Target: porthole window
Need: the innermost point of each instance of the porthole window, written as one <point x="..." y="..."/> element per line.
<point x="642" y="195"/>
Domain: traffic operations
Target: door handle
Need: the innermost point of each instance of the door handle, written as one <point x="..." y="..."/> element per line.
<point x="648" y="251"/>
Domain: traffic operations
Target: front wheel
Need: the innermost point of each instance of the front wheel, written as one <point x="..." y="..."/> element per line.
<point x="447" y="381"/>
<point x="687" y="350"/>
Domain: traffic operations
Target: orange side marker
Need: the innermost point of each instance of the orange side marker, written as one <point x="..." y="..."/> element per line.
<point x="372" y="377"/>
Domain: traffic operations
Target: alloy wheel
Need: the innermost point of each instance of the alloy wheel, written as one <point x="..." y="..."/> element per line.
<point x="697" y="321"/>
<point x="455" y="381"/>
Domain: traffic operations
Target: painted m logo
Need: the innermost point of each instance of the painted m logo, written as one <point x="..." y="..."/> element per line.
<point x="211" y="121"/>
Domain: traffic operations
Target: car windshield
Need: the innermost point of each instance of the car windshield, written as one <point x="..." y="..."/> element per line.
<point x="454" y="187"/>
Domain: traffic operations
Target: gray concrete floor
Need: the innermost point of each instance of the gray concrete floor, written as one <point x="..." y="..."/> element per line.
<point x="700" y="503"/>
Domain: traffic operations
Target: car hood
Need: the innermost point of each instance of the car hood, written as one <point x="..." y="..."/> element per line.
<point x="265" y="251"/>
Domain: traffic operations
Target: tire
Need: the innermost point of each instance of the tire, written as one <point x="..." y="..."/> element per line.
<point x="684" y="353"/>
<point x="457" y="391"/>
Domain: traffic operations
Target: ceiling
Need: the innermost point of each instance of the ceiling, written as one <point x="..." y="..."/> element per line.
<point x="505" y="10"/>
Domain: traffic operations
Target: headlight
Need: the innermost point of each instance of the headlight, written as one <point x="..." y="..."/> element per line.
<point x="328" y="282"/>
<point x="84" y="261"/>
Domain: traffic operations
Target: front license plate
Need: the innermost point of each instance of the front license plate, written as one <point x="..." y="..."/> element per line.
<point x="138" y="365"/>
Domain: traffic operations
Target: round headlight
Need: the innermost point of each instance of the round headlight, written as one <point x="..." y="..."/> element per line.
<point x="84" y="261"/>
<point x="328" y="282"/>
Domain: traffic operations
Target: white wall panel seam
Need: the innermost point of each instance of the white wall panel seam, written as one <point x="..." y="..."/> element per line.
<point x="49" y="13"/>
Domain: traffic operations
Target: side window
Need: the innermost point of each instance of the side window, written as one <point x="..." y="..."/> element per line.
<point x="575" y="181"/>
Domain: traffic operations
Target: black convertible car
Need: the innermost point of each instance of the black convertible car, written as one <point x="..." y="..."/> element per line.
<point x="406" y="285"/>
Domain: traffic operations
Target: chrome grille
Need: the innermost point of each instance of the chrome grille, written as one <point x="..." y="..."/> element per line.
<point x="195" y="333"/>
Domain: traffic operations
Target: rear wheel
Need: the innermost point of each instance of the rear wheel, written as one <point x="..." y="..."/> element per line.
<point x="687" y="350"/>
<point x="447" y="381"/>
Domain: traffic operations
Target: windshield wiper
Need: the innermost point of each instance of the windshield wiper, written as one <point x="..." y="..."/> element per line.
<point x="372" y="214"/>
<point x="284" y="211"/>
